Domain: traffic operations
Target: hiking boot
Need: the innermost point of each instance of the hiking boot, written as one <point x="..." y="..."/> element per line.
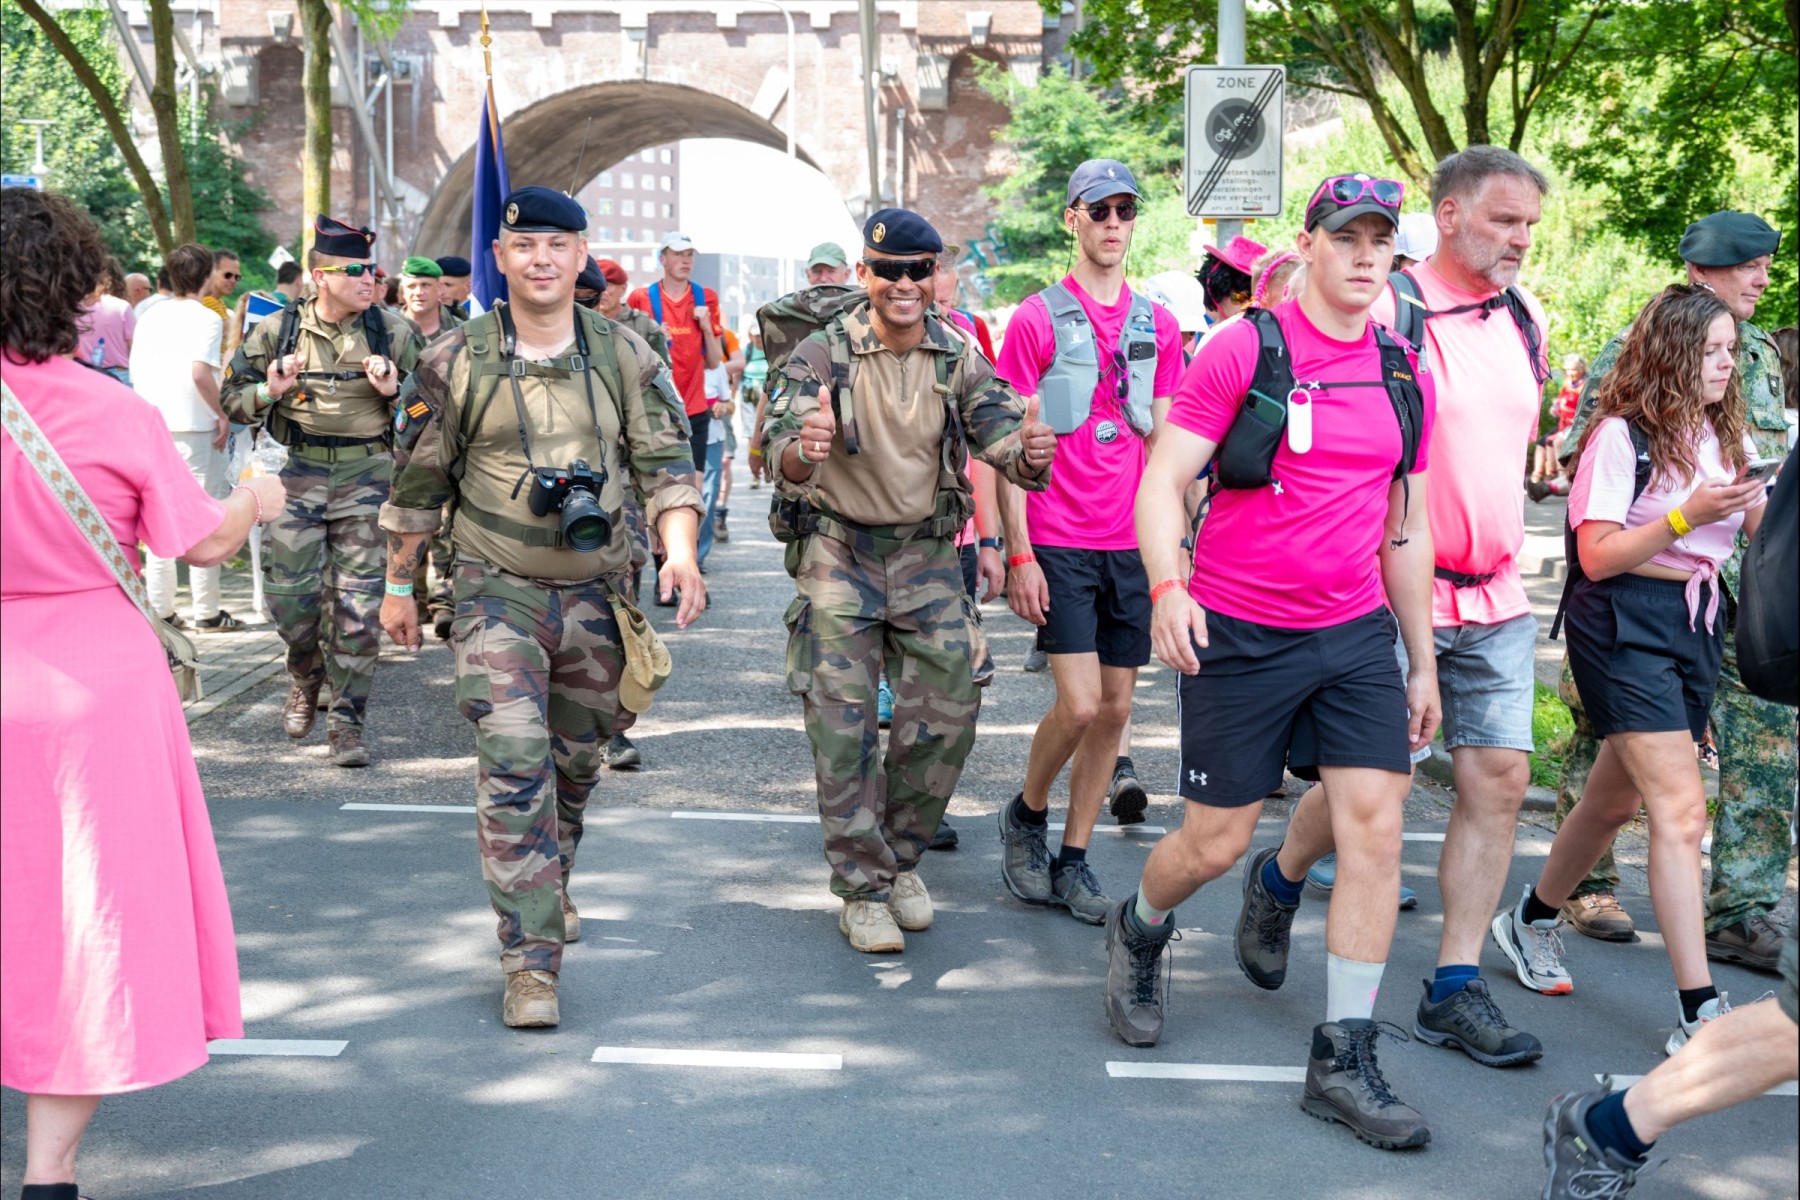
<point x="621" y="754"/>
<point x="1135" y="991"/>
<point x="1754" y="942"/>
<point x="1344" y="1084"/>
<point x="1578" y="1166"/>
<point x="909" y="902"/>
<point x="1024" y="858"/>
<point x="347" y="749"/>
<point x="1263" y="924"/>
<point x="1598" y="915"/>
<point x="871" y="927"/>
<point x="571" y="919"/>
<point x="720" y="533"/>
<point x="1535" y="951"/>
<point x="301" y="710"/>
<point x="1470" y="1021"/>
<point x="1036" y="661"/>
<point x="1074" y="887"/>
<point x="1685" y="1029"/>
<point x="945" y="838"/>
<point x="884" y="705"/>
<point x="530" y="1000"/>
<point x="221" y="622"/>
<point x="440" y="625"/>
<point x="1127" y="799"/>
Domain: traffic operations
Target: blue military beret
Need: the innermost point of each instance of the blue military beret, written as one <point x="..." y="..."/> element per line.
<point x="542" y="210"/>
<point x="590" y="279"/>
<point x="455" y="266"/>
<point x="1727" y="238"/>
<point x="897" y="231"/>
<point x="333" y="237"/>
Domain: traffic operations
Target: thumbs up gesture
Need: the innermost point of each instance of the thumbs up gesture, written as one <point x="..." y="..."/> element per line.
<point x="1038" y="439"/>
<point x="816" y="431"/>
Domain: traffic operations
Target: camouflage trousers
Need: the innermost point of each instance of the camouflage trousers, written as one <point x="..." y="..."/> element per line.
<point x="537" y="671"/>
<point x="324" y="562"/>
<point x="1757" y="771"/>
<point x="861" y="607"/>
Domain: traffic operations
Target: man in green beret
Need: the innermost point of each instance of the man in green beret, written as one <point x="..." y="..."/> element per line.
<point x="1730" y="253"/>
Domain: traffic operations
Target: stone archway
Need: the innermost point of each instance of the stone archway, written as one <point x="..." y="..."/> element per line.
<point x="544" y="143"/>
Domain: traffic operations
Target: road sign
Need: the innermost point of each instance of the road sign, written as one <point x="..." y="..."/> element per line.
<point x="1232" y="162"/>
<point x="35" y="182"/>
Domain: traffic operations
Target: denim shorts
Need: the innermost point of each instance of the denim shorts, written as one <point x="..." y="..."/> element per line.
<point x="1485" y="678"/>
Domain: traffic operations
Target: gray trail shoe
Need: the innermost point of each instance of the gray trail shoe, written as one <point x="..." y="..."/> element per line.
<point x="621" y="754"/>
<point x="1577" y="1168"/>
<point x="1024" y="858"/>
<point x="1126" y="798"/>
<point x="1344" y="1084"/>
<point x="1136" y="992"/>
<point x="1075" y="888"/>
<point x="1263" y="925"/>
<point x="1036" y="661"/>
<point x="1470" y="1021"/>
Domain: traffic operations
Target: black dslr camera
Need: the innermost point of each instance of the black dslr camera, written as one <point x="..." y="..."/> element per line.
<point x="574" y="491"/>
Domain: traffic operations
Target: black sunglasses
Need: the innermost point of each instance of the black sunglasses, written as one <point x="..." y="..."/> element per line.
<point x="895" y="269"/>
<point x="1127" y="210"/>
<point x="353" y="270"/>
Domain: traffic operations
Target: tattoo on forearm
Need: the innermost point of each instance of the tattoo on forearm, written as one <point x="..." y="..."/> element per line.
<point x="402" y="561"/>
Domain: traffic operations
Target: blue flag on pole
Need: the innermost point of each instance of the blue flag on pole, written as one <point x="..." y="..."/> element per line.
<point x="486" y="284"/>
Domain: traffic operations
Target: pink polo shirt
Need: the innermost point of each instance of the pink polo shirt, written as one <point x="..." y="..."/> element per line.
<point x="1488" y="403"/>
<point x="1304" y="554"/>
<point x="112" y="319"/>
<point x="1088" y="505"/>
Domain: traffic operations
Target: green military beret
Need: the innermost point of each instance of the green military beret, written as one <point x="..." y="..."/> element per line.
<point x="423" y="268"/>
<point x="1728" y="238"/>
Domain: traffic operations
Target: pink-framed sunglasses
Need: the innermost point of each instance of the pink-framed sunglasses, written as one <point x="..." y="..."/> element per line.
<point x="1351" y="189"/>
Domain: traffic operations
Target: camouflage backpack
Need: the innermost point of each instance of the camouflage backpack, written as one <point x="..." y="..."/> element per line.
<point x="787" y="322"/>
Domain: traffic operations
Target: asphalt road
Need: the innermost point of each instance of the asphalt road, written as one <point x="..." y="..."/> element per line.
<point x="977" y="1064"/>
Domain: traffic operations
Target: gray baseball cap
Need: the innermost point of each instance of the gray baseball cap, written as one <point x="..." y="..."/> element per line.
<point x="1098" y="178"/>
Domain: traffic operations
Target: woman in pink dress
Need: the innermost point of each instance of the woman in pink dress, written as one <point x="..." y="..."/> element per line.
<point x="117" y="962"/>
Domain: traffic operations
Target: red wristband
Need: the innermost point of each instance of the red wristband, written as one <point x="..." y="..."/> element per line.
<point x="1163" y="588"/>
<point x="1019" y="560"/>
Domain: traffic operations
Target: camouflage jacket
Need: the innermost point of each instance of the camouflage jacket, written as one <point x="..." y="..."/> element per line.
<point x="988" y="410"/>
<point x="651" y="455"/>
<point x="336" y="408"/>
<point x="1759" y="376"/>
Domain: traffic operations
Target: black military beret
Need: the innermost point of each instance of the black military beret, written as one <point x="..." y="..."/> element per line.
<point x="333" y="237"/>
<point x="590" y="279"/>
<point x="455" y="266"/>
<point x="897" y="231"/>
<point x="1728" y="238"/>
<point x="542" y="210"/>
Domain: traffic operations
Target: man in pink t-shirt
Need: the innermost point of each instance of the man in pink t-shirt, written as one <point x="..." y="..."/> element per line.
<point x="1098" y="358"/>
<point x="1482" y="341"/>
<point x="107" y="325"/>
<point x="1315" y="557"/>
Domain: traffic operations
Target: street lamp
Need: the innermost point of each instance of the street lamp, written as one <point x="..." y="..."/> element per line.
<point x="40" y="168"/>
<point x="786" y="263"/>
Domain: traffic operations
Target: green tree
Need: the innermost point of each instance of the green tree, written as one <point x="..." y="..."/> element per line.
<point x="381" y="19"/>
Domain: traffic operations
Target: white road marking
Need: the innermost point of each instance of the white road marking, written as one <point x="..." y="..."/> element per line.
<point x="783" y="818"/>
<point x="1621" y="1082"/>
<point x="284" y="1047"/>
<point x="1212" y="1071"/>
<point x="436" y="808"/>
<point x="755" y="1060"/>
<point x="1421" y="837"/>
<point x="1057" y="827"/>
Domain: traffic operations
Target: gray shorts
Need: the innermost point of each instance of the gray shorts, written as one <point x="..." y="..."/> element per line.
<point x="1485" y="678"/>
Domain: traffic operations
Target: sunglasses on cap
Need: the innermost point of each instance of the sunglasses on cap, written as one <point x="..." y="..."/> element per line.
<point x="1127" y="210"/>
<point x="353" y="270"/>
<point x="895" y="269"/>
<point x="1352" y="189"/>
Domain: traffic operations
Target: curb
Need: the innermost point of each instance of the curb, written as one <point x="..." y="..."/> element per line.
<point x="1537" y="799"/>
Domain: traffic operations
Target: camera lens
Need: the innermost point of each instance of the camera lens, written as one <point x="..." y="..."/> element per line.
<point x="585" y="525"/>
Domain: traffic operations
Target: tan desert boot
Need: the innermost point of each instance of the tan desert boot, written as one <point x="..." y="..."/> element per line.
<point x="870" y="927"/>
<point x="530" y="1000"/>
<point x="910" y="902"/>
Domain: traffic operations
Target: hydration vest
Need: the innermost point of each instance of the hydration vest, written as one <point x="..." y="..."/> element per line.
<point x="1066" y="390"/>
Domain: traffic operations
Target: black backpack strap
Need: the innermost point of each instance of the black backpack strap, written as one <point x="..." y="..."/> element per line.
<point x="1247" y="452"/>
<point x="1400" y="379"/>
<point x="1640" y="480"/>
<point x="1640" y="450"/>
<point x="375" y="332"/>
<point x="289" y="337"/>
<point x="1514" y="300"/>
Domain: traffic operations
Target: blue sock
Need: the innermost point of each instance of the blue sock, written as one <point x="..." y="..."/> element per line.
<point x="1285" y="890"/>
<point x="1069" y="855"/>
<point x="1611" y="1128"/>
<point x="1450" y="980"/>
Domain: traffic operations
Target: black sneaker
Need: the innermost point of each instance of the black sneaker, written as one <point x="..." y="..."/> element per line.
<point x="1024" y="858"/>
<point x="1344" y="1084"/>
<point x="1577" y="1166"/>
<point x="1127" y="798"/>
<point x="1136" y="992"/>
<point x="945" y="838"/>
<point x="1263" y="925"/>
<point x="222" y="622"/>
<point x="1470" y="1021"/>
<point x="621" y="755"/>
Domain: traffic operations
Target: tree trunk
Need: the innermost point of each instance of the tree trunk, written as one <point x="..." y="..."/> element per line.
<point x="115" y="123"/>
<point x="168" y="124"/>
<point x="315" y="162"/>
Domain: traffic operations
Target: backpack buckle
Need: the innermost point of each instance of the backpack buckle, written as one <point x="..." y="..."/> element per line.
<point x="515" y="367"/>
<point x="577" y="364"/>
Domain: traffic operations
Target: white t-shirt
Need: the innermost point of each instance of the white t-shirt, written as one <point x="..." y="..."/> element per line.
<point x="171" y="338"/>
<point x="718" y="391"/>
<point x="149" y="302"/>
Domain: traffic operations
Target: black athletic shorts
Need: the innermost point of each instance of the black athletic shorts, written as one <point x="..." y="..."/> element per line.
<point x="1637" y="665"/>
<point x="1099" y="602"/>
<point x="1268" y="698"/>
<point x="970" y="556"/>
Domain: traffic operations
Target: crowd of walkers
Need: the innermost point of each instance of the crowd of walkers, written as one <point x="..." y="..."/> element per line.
<point x="1310" y="510"/>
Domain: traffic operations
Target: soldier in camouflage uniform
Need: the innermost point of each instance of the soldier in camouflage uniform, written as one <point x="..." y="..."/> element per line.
<point x="537" y="639"/>
<point x="1730" y="253"/>
<point x="866" y="433"/>
<point x="312" y="376"/>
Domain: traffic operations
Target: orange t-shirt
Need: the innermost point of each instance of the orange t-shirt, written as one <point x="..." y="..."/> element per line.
<point x="687" y="350"/>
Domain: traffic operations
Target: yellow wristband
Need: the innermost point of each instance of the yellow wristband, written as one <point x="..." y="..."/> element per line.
<point x="1678" y="523"/>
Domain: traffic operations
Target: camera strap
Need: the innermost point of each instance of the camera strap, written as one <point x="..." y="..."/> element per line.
<point x="514" y="367"/>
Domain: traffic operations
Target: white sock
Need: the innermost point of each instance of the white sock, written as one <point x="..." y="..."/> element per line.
<point x="1350" y="987"/>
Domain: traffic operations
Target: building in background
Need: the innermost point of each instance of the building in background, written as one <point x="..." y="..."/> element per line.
<point x="744" y="283"/>
<point x="631" y="205"/>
